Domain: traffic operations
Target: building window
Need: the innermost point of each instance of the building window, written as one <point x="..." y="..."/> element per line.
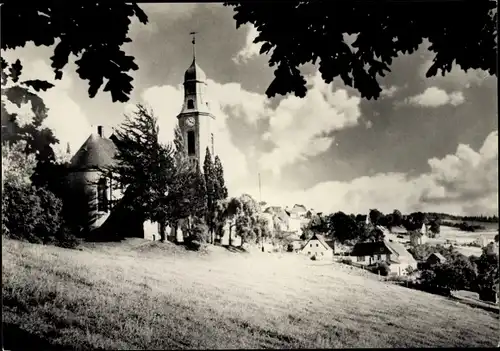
<point x="388" y="257"/>
<point x="102" y="195"/>
<point x="191" y="143"/>
<point x="190" y="104"/>
<point x="322" y="254"/>
<point x="379" y="257"/>
<point x="310" y="245"/>
<point x="316" y="245"/>
<point x="309" y="252"/>
<point x="361" y="258"/>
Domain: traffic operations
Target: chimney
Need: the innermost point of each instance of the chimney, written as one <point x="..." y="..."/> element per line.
<point x="100" y="131"/>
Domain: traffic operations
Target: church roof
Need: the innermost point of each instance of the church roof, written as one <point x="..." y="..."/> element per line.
<point x="96" y="152"/>
<point x="194" y="72"/>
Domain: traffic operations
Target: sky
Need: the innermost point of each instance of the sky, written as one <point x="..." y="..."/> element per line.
<point x="428" y="144"/>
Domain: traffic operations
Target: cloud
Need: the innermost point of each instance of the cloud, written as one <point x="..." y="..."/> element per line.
<point x="465" y="183"/>
<point x="436" y="97"/>
<point x="389" y="92"/>
<point x="64" y="116"/>
<point x="250" y="49"/>
<point x="298" y="127"/>
<point x="467" y="177"/>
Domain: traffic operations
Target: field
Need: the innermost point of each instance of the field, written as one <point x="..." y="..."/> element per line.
<point x="147" y="295"/>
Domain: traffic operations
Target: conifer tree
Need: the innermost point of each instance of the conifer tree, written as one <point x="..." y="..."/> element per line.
<point x="208" y="172"/>
<point x="143" y="165"/>
<point x="220" y="185"/>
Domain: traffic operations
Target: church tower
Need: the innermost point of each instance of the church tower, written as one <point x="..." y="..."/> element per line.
<point x="196" y="122"/>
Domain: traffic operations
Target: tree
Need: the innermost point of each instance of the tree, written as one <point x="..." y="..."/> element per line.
<point x="435" y="226"/>
<point x="23" y="114"/>
<point x="375" y="216"/>
<point x="144" y="166"/>
<point x="243" y="215"/>
<point x="343" y="228"/>
<point x="210" y="182"/>
<point x="100" y="57"/>
<point x="220" y="184"/>
<point x="384" y="30"/>
<point x="487" y="273"/>
<point x="397" y="218"/>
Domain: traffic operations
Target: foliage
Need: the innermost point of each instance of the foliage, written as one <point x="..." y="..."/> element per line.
<point x="23" y="114"/>
<point x="315" y="31"/>
<point x="220" y="184"/>
<point x="209" y="173"/>
<point x="422" y="252"/>
<point x="375" y="217"/>
<point x="383" y="268"/>
<point x="414" y="221"/>
<point x="396" y="219"/>
<point x="197" y="234"/>
<point x="456" y="274"/>
<point x="143" y="165"/>
<point x="100" y="57"/>
<point x="35" y="215"/>
<point x="243" y="214"/>
<point x="17" y="166"/>
<point x="466" y="227"/>
<point x="346" y="261"/>
<point x="343" y="227"/>
<point x="487" y="270"/>
<point x="435" y="226"/>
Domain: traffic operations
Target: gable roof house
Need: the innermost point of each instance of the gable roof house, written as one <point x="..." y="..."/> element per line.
<point x="393" y="253"/>
<point x="435" y="258"/>
<point x="398" y="230"/>
<point x="317" y="246"/>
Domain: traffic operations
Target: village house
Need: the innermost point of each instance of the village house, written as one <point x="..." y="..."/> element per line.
<point x="395" y="254"/>
<point x="435" y="258"/>
<point x="398" y="230"/>
<point x="317" y="246"/>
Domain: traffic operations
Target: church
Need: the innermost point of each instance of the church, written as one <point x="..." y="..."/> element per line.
<point x="93" y="196"/>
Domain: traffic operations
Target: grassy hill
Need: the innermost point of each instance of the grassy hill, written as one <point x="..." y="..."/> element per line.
<point x="143" y="295"/>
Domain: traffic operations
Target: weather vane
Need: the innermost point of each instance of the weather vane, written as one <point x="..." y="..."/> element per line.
<point x="194" y="42"/>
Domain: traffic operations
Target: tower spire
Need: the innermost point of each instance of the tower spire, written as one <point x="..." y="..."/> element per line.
<point x="194" y="44"/>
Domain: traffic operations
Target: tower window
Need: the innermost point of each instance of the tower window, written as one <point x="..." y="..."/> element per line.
<point x="102" y="195"/>
<point x="191" y="143"/>
<point x="190" y="104"/>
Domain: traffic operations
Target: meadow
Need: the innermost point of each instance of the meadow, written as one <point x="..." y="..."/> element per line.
<point x="149" y="295"/>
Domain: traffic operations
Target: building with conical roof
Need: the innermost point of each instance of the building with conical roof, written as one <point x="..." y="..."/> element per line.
<point x="91" y="189"/>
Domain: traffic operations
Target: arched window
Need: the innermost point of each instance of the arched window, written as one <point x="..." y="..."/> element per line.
<point x="102" y="195"/>
<point x="191" y="143"/>
<point x="190" y="104"/>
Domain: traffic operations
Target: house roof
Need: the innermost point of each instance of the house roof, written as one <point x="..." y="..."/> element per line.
<point x="278" y="212"/>
<point x="438" y="255"/>
<point x="321" y="239"/>
<point x="400" y="251"/>
<point x="299" y="208"/>
<point x="96" y="152"/>
<point x="383" y="229"/>
<point x="398" y="230"/>
<point x="370" y="249"/>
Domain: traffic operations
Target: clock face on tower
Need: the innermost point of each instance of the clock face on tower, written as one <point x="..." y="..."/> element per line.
<point x="190" y="121"/>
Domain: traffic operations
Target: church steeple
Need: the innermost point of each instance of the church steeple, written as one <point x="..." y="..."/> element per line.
<point x="195" y="118"/>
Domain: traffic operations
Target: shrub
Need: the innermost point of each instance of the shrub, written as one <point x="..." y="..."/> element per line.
<point x="346" y="261"/>
<point x="313" y="258"/>
<point x="34" y="215"/>
<point x="383" y="268"/>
